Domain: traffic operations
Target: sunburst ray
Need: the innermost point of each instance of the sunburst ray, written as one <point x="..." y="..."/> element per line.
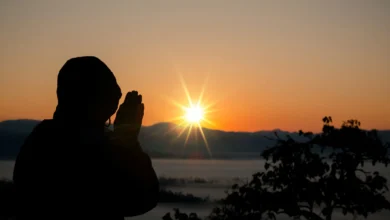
<point x="202" y="92"/>
<point x="186" y="91"/>
<point x="209" y="122"/>
<point x="182" y="131"/>
<point x="195" y="114"/>
<point x="188" y="135"/>
<point x="204" y="139"/>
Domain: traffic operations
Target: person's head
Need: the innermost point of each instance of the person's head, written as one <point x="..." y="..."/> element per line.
<point x="87" y="91"/>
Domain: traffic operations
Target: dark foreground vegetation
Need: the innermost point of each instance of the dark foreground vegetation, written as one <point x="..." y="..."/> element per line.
<point x="167" y="196"/>
<point x="299" y="181"/>
<point x="303" y="183"/>
<point x="171" y="181"/>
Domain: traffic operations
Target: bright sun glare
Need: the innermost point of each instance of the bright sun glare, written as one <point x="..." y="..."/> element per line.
<point x="194" y="115"/>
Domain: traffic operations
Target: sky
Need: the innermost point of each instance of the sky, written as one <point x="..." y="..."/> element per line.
<point x="263" y="64"/>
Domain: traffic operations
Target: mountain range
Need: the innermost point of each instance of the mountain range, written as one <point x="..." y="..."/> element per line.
<point x="163" y="140"/>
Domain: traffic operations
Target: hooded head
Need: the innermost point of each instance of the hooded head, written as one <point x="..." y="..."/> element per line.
<point x="87" y="91"/>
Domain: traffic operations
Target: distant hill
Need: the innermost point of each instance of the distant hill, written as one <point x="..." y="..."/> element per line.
<point x="162" y="138"/>
<point x="161" y="141"/>
<point x="12" y="135"/>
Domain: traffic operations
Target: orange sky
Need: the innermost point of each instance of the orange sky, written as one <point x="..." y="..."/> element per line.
<point x="269" y="64"/>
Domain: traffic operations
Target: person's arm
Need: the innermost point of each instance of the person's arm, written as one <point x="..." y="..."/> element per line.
<point x="137" y="178"/>
<point x="138" y="186"/>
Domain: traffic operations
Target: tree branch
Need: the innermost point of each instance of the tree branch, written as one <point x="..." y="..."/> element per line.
<point x="305" y="206"/>
<point x="364" y="172"/>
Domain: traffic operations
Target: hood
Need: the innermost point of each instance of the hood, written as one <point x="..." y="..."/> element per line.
<point x="87" y="90"/>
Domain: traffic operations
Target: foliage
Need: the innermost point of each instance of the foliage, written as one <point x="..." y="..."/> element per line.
<point x="300" y="183"/>
<point x="170" y="181"/>
<point x="304" y="183"/>
<point x="167" y="196"/>
<point x="181" y="216"/>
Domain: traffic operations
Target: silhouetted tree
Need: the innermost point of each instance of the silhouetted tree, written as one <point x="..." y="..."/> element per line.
<point x="312" y="178"/>
<point x="169" y="196"/>
<point x="181" y="216"/>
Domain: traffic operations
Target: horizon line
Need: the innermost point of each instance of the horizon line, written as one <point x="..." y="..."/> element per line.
<point x="228" y="131"/>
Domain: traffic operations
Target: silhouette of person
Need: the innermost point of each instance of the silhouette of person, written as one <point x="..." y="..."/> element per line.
<point x="73" y="166"/>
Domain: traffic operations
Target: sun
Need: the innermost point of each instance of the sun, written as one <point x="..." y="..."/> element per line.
<point x="194" y="114"/>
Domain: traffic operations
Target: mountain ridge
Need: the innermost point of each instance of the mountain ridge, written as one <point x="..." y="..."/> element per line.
<point x="162" y="140"/>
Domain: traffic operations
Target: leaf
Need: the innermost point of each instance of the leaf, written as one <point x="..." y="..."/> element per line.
<point x="271" y="215"/>
<point x="266" y="166"/>
<point x="318" y="201"/>
<point x="308" y="134"/>
<point x="326" y="211"/>
<point x="325" y="119"/>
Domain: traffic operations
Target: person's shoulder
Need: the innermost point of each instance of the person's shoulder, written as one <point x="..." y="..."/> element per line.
<point x="42" y="132"/>
<point x="45" y="127"/>
<point x="46" y="124"/>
